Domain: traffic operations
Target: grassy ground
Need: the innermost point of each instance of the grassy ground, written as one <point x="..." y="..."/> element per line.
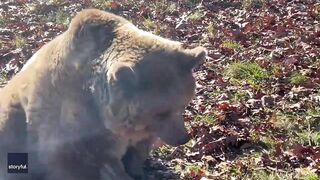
<point x="257" y="108"/>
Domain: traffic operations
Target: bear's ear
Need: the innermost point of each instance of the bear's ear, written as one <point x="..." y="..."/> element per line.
<point x="92" y="38"/>
<point x="122" y="81"/>
<point x="101" y="35"/>
<point x="195" y="56"/>
<point x="123" y="78"/>
<point x="92" y="31"/>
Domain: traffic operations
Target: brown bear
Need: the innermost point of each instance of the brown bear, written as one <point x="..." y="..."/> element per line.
<point x="89" y="103"/>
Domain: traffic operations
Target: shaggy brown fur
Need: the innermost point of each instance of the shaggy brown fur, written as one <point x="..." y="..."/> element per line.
<point x="91" y="93"/>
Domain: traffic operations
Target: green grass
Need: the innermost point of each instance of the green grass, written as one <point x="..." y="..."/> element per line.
<point x="308" y="138"/>
<point x="171" y="8"/>
<point x="190" y="169"/>
<point x="196" y="16"/>
<point x="265" y="175"/>
<point x="275" y="68"/>
<point x="160" y="29"/>
<point x="3" y="21"/>
<point x="210" y="119"/>
<point x="311" y="176"/>
<point x="100" y="4"/>
<point x="19" y="41"/>
<point x="56" y="2"/>
<point x="314" y="113"/>
<point x="215" y="93"/>
<point x="163" y="151"/>
<point x="267" y="140"/>
<point x="308" y="133"/>
<point x="3" y="79"/>
<point x="211" y="29"/>
<point x="149" y="24"/>
<point x="317" y="62"/>
<point x="313" y="117"/>
<point x="192" y="3"/>
<point x="59" y="17"/>
<point x="231" y="45"/>
<point x="112" y="5"/>
<point x="240" y="96"/>
<point x="286" y="120"/>
<point x="235" y="171"/>
<point x="248" y="4"/>
<point x="301" y="128"/>
<point x="164" y="5"/>
<point x="307" y="174"/>
<point x="298" y="79"/>
<point x="251" y="73"/>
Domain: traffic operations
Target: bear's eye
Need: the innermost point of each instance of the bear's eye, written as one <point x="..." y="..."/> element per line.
<point x="163" y="115"/>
